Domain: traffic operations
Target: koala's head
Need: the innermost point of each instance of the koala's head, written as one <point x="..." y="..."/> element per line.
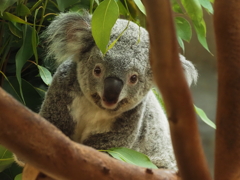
<point x="121" y="78"/>
<point x="116" y="81"/>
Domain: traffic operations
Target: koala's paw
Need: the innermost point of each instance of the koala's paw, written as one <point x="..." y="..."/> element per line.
<point x="20" y="162"/>
<point x="165" y="163"/>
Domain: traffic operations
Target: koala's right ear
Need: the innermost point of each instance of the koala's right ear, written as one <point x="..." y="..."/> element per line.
<point x="68" y="35"/>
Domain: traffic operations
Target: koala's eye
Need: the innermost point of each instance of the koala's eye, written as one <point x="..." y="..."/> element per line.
<point x="97" y="71"/>
<point x="133" y="79"/>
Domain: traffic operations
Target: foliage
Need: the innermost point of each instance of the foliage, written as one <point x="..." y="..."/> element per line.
<point x="130" y="156"/>
<point x="198" y="111"/>
<point x="22" y="71"/>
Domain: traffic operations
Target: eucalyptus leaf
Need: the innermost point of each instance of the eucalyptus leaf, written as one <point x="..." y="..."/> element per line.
<point x="45" y="75"/>
<point x="159" y="98"/>
<point x="22" y="10"/>
<point x="32" y="97"/>
<point x="11" y="172"/>
<point x="35" y="39"/>
<point x="91" y="6"/>
<point x="122" y="10"/>
<point x="6" y="158"/>
<point x="207" y="5"/>
<point x="199" y="111"/>
<point x="14" y="30"/>
<point x="204" y="117"/>
<point x="4" y="4"/>
<point x="97" y="1"/>
<point x="12" y="89"/>
<point x="18" y="177"/>
<point x="180" y="42"/>
<point x="176" y="7"/>
<point x="183" y="28"/>
<point x="200" y="28"/>
<point x="13" y="18"/>
<point x="23" y="54"/>
<point x="41" y="92"/>
<point x="193" y="9"/>
<point x="103" y="19"/>
<point x="140" y="6"/>
<point x="62" y="5"/>
<point x="132" y="157"/>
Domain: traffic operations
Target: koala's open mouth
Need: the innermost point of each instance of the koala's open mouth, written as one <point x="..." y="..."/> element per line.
<point x="108" y="106"/>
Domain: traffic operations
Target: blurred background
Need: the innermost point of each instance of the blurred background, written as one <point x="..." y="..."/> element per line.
<point x="205" y="91"/>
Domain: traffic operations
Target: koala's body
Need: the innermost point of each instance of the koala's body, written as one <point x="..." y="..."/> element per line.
<point x="106" y="101"/>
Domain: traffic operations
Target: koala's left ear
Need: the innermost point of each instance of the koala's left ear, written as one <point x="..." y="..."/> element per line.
<point x="68" y="35"/>
<point x="191" y="73"/>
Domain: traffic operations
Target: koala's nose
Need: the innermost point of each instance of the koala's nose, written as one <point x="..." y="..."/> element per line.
<point x="112" y="89"/>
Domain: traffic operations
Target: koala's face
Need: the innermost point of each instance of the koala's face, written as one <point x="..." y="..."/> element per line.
<point x="120" y="79"/>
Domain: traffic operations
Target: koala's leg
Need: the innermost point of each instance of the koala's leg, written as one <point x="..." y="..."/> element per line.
<point x="164" y="163"/>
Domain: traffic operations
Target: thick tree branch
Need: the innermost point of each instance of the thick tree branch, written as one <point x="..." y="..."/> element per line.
<point x="170" y="79"/>
<point x="42" y="145"/>
<point x="227" y="30"/>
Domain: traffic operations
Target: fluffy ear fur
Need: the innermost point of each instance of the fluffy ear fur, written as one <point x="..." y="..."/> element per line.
<point x="67" y="36"/>
<point x="191" y="73"/>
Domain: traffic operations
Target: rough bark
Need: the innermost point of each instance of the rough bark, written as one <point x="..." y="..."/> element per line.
<point x="227" y="30"/>
<point x="170" y="79"/>
<point x="43" y="146"/>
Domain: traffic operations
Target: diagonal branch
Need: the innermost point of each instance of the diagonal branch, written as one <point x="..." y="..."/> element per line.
<point x="170" y="79"/>
<point x="42" y="145"/>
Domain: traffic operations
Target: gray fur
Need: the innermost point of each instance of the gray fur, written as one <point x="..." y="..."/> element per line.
<point x="74" y="100"/>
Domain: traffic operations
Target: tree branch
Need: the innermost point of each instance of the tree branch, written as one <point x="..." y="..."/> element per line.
<point x="170" y="79"/>
<point x="227" y="30"/>
<point x="42" y="145"/>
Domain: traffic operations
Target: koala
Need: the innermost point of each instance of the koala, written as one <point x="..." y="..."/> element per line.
<point x="106" y="101"/>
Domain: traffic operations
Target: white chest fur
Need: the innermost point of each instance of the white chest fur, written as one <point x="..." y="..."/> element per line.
<point x="89" y="118"/>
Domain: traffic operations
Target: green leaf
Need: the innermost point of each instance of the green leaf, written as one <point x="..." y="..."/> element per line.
<point x="199" y="111"/>
<point x="159" y="98"/>
<point x="4" y="4"/>
<point x="35" y="39"/>
<point x="122" y="10"/>
<point x="103" y="19"/>
<point x="62" y="5"/>
<point x="23" y="54"/>
<point x="18" y="177"/>
<point x="32" y="97"/>
<point x="140" y="6"/>
<point x="97" y="1"/>
<point x="176" y="7"/>
<point x="207" y="5"/>
<point x="200" y="28"/>
<point x="11" y="172"/>
<point x="180" y="42"/>
<point x="13" y="18"/>
<point x="22" y="10"/>
<point x="183" y="27"/>
<point x="11" y="89"/>
<point x="45" y="75"/>
<point x="204" y="117"/>
<point x="130" y="156"/>
<point x="91" y="6"/>
<point x="41" y="92"/>
<point x="14" y="30"/>
<point x="193" y="9"/>
<point x="6" y="158"/>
